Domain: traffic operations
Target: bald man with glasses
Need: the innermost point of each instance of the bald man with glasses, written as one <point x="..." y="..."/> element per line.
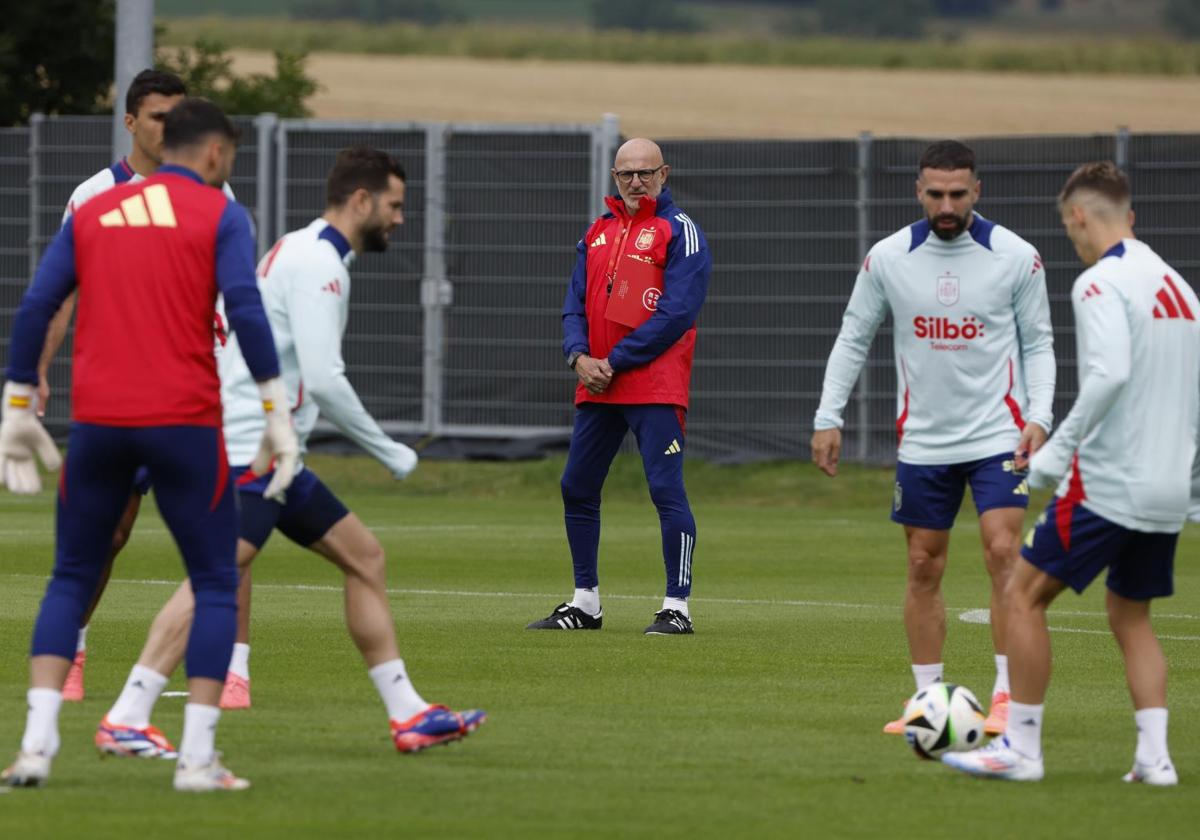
<point x="629" y="333"/>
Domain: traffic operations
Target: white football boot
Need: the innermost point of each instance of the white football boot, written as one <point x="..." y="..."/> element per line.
<point x="997" y="760"/>
<point x="207" y="777"/>
<point x="1161" y="773"/>
<point x="29" y="770"/>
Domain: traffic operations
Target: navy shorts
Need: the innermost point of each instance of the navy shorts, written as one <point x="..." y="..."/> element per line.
<point x="308" y="512"/>
<point x="929" y="496"/>
<point x="1074" y="545"/>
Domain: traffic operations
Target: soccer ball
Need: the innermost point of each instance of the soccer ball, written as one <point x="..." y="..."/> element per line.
<point x="941" y="718"/>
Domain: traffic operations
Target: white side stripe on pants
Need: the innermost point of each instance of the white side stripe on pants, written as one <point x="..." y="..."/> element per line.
<point x="685" y="559"/>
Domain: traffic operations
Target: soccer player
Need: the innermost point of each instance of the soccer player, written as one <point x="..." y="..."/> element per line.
<point x="1123" y="459"/>
<point x="305" y="282"/>
<point x="975" y="381"/>
<point x="154" y="254"/>
<point x="151" y="94"/>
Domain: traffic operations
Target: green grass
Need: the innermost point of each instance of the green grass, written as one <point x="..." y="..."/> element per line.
<point x="763" y="724"/>
<point x="996" y="53"/>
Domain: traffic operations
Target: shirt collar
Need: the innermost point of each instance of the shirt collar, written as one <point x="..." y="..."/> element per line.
<point x="342" y="245"/>
<point x="176" y="169"/>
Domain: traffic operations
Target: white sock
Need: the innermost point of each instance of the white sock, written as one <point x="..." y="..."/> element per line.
<point x="41" y="724"/>
<point x="136" y="701"/>
<point x="1024" y="730"/>
<point x="199" y="743"/>
<point x="679" y="604"/>
<point x="239" y="663"/>
<point x="1151" y="735"/>
<point x="81" y="644"/>
<point x="587" y="600"/>
<point x="927" y="674"/>
<point x="1001" y="683"/>
<point x="401" y="699"/>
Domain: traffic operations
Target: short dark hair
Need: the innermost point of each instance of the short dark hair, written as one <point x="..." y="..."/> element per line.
<point x="359" y="167"/>
<point x="193" y="120"/>
<point x="1103" y="177"/>
<point x="948" y="155"/>
<point x="152" y="81"/>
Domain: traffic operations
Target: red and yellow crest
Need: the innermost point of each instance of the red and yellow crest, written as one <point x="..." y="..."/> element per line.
<point x="645" y="239"/>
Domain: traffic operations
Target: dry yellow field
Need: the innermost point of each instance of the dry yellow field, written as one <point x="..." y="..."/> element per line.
<point x="735" y="101"/>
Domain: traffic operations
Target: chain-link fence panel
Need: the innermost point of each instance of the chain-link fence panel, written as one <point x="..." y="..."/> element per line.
<point x="383" y="347"/>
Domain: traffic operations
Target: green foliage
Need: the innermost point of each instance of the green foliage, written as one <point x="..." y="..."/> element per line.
<point x="1183" y="16"/>
<point x="1021" y="54"/>
<point x="428" y="12"/>
<point x="642" y="16"/>
<point x="56" y="57"/>
<point x="868" y="18"/>
<point x="208" y="71"/>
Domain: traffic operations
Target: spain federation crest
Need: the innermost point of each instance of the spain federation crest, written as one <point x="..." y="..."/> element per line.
<point x="947" y="289"/>
<point x="645" y="239"/>
<point x="650" y="298"/>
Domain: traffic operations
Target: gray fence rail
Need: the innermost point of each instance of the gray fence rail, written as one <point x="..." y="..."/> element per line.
<point x="454" y="331"/>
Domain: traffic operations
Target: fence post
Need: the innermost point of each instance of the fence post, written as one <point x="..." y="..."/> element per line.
<point x="1121" y="149"/>
<point x="864" y="244"/>
<point x="436" y="292"/>
<point x="35" y="200"/>
<point x="264" y="125"/>
<point x="281" y="176"/>
<point x="605" y="138"/>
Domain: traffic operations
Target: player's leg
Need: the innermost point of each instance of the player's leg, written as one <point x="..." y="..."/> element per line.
<point x="91" y="494"/>
<point x="1000" y="531"/>
<point x="1017" y="756"/>
<point x="236" y="694"/>
<point x="126" y="729"/>
<point x="195" y="495"/>
<point x="660" y="435"/>
<point x="73" y="690"/>
<point x="595" y="440"/>
<point x="315" y="518"/>
<point x="1144" y="571"/>
<point x="1001" y="495"/>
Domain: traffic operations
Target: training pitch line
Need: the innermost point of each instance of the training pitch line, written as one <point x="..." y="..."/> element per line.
<point x="969" y="616"/>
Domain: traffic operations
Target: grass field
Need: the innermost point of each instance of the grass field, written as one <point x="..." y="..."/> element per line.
<point x="763" y="724"/>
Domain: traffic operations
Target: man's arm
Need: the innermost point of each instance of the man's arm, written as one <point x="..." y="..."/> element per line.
<point x="1031" y="307"/>
<point x="574" y="314"/>
<point x="52" y="284"/>
<point x="56" y="334"/>
<point x="243" y="303"/>
<point x="1104" y="329"/>
<point x="866" y="310"/>
<point x="316" y="319"/>
<point x="685" y="285"/>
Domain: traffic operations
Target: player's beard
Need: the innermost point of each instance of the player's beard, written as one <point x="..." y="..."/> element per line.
<point x="375" y="239"/>
<point x="960" y="224"/>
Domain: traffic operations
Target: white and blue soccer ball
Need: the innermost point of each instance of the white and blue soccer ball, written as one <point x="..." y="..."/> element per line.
<point x="941" y="718"/>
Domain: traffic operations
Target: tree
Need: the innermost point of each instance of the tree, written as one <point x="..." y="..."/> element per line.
<point x="208" y="71"/>
<point x="643" y="16"/>
<point x="1183" y="16"/>
<point x="868" y="18"/>
<point x="56" y="57"/>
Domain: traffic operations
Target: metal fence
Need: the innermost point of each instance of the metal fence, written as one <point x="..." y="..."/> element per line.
<point x="454" y="331"/>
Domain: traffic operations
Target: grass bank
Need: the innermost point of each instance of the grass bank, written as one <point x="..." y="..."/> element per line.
<point x="993" y="53"/>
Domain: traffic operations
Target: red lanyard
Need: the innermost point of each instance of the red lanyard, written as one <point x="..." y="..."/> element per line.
<point x="616" y="254"/>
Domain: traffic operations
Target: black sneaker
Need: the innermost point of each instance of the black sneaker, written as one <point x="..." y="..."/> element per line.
<point x="670" y="623"/>
<point x="566" y="617"/>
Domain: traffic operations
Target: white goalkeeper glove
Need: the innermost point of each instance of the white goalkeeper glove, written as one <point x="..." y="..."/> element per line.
<point x="21" y="435"/>
<point x="279" y="444"/>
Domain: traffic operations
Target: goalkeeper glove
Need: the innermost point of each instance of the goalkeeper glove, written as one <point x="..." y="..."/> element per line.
<point x="279" y="449"/>
<point x="404" y="463"/>
<point x="21" y="435"/>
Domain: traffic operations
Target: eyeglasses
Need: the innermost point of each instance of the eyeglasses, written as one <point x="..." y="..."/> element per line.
<point x="625" y="176"/>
